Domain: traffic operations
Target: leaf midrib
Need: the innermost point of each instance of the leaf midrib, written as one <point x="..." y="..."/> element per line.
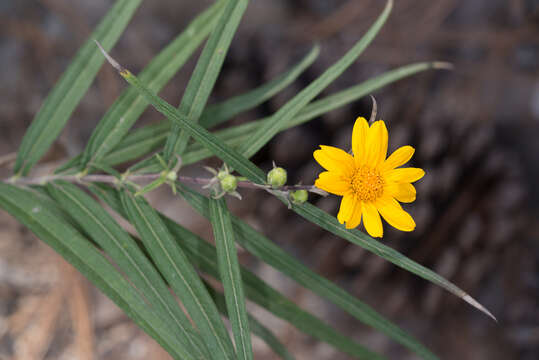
<point x="195" y="298"/>
<point x="231" y="276"/>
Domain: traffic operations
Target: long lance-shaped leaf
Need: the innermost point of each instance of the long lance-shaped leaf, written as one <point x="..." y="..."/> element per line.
<point x="268" y="130"/>
<point x="68" y="91"/>
<point x="202" y="135"/>
<point x="236" y="135"/>
<point x="139" y="143"/>
<point x="330" y="223"/>
<point x="72" y="246"/>
<point x="221" y="112"/>
<point x="246" y="168"/>
<point x="256" y="326"/>
<point x="229" y="270"/>
<point x="53" y="207"/>
<point x="123" y="250"/>
<point x="130" y="105"/>
<point x="263" y="248"/>
<point x="150" y="137"/>
<point x="180" y="274"/>
<point x="204" y="256"/>
<point x="205" y="74"/>
<point x="264" y="295"/>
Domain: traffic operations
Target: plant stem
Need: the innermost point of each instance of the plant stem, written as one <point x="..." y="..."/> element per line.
<point x="110" y="179"/>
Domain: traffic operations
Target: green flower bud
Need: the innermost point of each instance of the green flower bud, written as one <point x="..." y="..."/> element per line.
<point x="277" y="177"/>
<point x="299" y="196"/>
<point x="229" y="183"/>
<point x="172" y="176"/>
<point x="222" y="174"/>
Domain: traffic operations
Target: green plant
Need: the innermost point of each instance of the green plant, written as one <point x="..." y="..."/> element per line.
<point x="165" y="254"/>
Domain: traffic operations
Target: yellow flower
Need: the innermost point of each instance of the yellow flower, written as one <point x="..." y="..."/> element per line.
<point x="370" y="184"/>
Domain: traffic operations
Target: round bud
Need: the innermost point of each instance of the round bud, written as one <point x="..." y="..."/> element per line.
<point x="299" y="196"/>
<point x="229" y="183"/>
<point x="222" y="174"/>
<point x="172" y="176"/>
<point x="277" y="177"/>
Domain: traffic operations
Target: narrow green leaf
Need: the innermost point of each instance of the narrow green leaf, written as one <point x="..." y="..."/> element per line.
<point x="67" y="93"/>
<point x="246" y="168"/>
<point x="260" y="246"/>
<point x="330" y="223"/>
<point x="176" y="143"/>
<point x="72" y="246"/>
<point x="264" y="295"/>
<point x="268" y="130"/>
<point x="138" y="143"/>
<point x="204" y="256"/>
<point x="221" y="112"/>
<point x="130" y="105"/>
<point x="256" y="326"/>
<point x="209" y="140"/>
<point x="229" y="270"/>
<point x="322" y="106"/>
<point x="239" y="134"/>
<point x="149" y="138"/>
<point x="70" y="166"/>
<point x="124" y="251"/>
<point x="203" y="79"/>
<point x="179" y="273"/>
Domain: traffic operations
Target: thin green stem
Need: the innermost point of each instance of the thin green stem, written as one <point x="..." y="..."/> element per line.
<point x="135" y="178"/>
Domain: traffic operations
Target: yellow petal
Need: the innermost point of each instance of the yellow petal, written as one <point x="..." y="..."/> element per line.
<point x="334" y="159"/>
<point x="403" y="192"/>
<point x="332" y="182"/>
<point x="359" y="137"/>
<point x="346" y="210"/>
<point x="399" y="157"/>
<point x="404" y="175"/>
<point x="355" y="219"/>
<point x="371" y="220"/>
<point x="396" y="216"/>
<point x="376" y="144"/>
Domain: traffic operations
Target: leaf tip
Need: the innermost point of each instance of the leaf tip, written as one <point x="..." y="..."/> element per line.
<point x="389" y="5"/>
<point x="442" y="65"/>
<point x="315" y="51"/>
<point x="470" y="300"/>
<point x="111" y="61"/>
<point x="374" y="110"/>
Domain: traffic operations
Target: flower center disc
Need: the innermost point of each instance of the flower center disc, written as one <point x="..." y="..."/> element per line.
<point x="367" y="184"/>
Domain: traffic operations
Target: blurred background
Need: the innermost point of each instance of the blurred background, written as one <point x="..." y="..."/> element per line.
<point x="475" y="130"/>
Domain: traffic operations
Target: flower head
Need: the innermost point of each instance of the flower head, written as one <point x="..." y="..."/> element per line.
<point x="370" y="184"/>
